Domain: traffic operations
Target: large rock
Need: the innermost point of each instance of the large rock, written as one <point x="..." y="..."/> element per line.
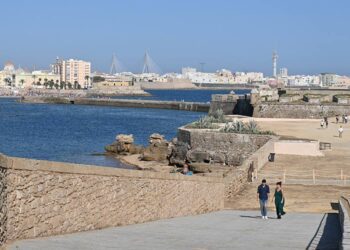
<point x="123" y="145"/>
<point x="198" y="155"/>
<point x="154" y="138"/>
<point x="178" y="152"/>
<point x="126" y="139"/>
<point x="157" y="150"/>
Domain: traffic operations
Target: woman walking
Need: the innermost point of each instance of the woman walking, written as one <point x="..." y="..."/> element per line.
<point x="279" y="200"/>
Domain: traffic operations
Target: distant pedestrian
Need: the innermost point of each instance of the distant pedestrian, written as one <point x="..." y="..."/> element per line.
<point x="263" y="197"/>
<point x="343" y="118"/>
<point x="346" y="118"/>
<point x="340" y="131"/>
<point x="336" y="119"/>
<point x="279" y="200"/>
<point x="322" y="123"/>
<point x="326" y="121"/>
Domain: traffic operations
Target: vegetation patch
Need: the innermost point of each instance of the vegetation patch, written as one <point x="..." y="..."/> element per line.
<point x="240" y="127"/>
<point x="209" y="121"/>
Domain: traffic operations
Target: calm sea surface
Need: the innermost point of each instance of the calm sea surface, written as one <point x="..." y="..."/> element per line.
<point x="73" y="133"/>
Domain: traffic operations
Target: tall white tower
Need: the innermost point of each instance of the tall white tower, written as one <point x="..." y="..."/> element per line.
<point x="274" y="63"/>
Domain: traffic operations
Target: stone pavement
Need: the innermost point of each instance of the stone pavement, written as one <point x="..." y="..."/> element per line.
<point x="220" y="230"/>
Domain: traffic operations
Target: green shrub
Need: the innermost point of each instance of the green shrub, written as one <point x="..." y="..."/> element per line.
<point x="205" y="122"/>
<point x="240" y="127"/>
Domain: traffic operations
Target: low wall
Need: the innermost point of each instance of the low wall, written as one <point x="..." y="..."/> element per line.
<point x="235" y="147"/>
<point x="290" y="110"/>
<point x="297" y="147"/>
<point x="41" y="198"/>
<point x="344" y="216"/>
<point x="236" y="180"/>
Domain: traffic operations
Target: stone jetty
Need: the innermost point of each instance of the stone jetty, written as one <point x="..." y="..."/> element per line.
<point x="188" y="106"/>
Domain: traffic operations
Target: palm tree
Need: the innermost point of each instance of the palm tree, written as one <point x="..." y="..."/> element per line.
<point x="76" y="84"/>
<point x="45" y="83"/>
<point x="13" y="79"/>
<point x="22" y="82"/>
<point x="7" y="81"/>
<point x="87" y="81"/>
<point x="34" y="76"/>
<point x="51" y="83"/>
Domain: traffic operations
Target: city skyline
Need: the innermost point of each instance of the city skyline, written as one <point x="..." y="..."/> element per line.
<point x="237" y="36"/>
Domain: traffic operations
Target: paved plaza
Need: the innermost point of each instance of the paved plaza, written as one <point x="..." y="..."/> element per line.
<point x="220" y="230"/>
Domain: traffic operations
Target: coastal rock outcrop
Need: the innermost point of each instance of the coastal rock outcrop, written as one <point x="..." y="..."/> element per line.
<point x="157" y="150"/>
<point x="124" y="144"/>
<point x="178" y="152"/>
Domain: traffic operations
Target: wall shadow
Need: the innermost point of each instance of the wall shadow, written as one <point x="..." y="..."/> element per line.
<point x="328" y="234"/>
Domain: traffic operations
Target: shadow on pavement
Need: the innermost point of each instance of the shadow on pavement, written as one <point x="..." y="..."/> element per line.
<point x="255" y="217"/>
<point x="328" y="233"/>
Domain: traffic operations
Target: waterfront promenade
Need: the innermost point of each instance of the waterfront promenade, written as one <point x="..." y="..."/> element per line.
<point x="219" y="230"/>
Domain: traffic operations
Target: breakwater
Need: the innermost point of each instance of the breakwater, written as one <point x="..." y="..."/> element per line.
<point x="175" y="105"/>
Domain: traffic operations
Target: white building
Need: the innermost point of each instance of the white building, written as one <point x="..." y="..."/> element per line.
<point x="303" y="80"/>
<point x="283" y="72"/>
<point x="222" y="76"/>
<point x="76" y="72"/>
<point x="20" y="78"/>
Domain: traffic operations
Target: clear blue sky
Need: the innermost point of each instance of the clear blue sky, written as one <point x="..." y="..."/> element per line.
<point x="310" y="36"/>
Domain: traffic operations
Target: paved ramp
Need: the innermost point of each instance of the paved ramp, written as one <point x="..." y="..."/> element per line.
<point x="220" y="230"/>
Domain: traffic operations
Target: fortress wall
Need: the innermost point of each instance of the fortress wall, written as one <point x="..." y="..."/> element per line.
<point x="42" y="198"/>
<point x="301" y="111"/>
<point x="251" y="152"/>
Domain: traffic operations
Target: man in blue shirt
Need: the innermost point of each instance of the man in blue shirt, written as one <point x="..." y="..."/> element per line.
<point x="263" y="197"/>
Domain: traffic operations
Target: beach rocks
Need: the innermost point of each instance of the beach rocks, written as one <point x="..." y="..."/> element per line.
<point x="178" y="152"/>
<point x="157" y="149"/>
<point x="124" y="144"/>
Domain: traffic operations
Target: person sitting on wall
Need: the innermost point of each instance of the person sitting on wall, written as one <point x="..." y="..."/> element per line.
<point x="186" y="170"/>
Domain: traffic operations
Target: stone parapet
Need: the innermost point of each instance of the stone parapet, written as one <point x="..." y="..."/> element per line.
<point x="42" y="198"/>
<point x="344" y="216"/>
<point x="300" y="111"/>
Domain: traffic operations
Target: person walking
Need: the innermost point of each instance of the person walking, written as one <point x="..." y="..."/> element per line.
<point x="279" y="200"/>
<point x="322" y="123"/>
<point x="346" y="118"/>
<point x="263" y="197"/>
<point x="326" y="121"/>
<point x="340" y="131"/>
<point x="336" y="119"/>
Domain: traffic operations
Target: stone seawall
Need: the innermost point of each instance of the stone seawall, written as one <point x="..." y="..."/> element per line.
<point x="250" y="152"/>
<point x="41" y="198"/>
<point x="187" y="106"/>
<point x="302" y="111"/>
<point x="235" y="147"/>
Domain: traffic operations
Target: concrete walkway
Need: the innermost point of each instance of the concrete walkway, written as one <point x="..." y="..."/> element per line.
<point x="220" y="230"/>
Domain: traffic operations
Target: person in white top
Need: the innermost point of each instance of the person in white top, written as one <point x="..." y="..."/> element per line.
<point x="340" y="131"/>
<point x="322" y="123"/>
